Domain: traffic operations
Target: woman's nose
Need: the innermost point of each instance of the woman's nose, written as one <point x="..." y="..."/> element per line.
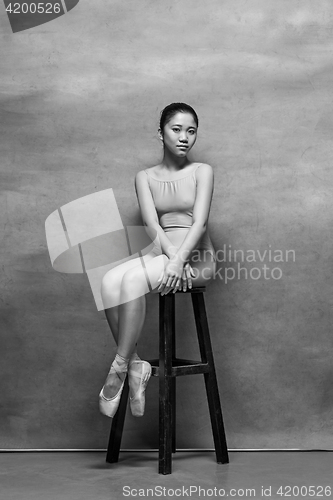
<point x="183" y="136"/>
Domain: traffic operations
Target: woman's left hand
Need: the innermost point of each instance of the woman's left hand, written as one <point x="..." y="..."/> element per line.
<point x="171" y="276"/>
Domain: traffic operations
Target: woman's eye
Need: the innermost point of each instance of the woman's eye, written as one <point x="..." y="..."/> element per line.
<point x="191" y="132"/>
<point x="175" y="129"/>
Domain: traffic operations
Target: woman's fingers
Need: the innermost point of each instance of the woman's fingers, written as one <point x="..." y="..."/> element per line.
<point x="161" y="285"/>
<point x="172" y="282"/>
<point x="166" y="290"/>
<point x="174" y="277"/>
<point x="185" y="283"/>
<point x="177" y="286"/>
<point x="183" y="279"/>
<point x="174" y="286"/>
<point x="166" y="281"/>
<point x="189" y="276"/>
<point x="162" y="280"/>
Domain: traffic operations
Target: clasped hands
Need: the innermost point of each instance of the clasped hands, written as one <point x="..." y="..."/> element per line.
<point x="176" y="276"/>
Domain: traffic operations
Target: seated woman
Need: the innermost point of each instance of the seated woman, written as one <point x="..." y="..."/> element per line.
<point x="174" y="199"/>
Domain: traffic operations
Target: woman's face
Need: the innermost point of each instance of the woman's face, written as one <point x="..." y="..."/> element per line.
<point x="179" y="134"/>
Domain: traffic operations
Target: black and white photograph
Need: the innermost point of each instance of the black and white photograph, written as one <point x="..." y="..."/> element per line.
<point x="166" y="211"/>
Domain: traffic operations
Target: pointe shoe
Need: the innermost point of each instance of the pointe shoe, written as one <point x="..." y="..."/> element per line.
<point x="109" y="406"/>
<point x="137" y="381"/>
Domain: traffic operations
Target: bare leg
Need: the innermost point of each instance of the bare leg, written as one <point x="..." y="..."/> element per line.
<point x="127" y="329"/>
<point x="131" y="313"/>
<point x="112" y="317"/>
<point x="111" y="291"/>
<point x="131" y="319"/>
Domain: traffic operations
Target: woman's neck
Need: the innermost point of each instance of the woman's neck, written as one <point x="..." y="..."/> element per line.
<point x="171" y="162"/>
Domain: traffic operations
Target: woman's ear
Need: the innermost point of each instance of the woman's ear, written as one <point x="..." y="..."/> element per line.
<point x="160" y="135"/>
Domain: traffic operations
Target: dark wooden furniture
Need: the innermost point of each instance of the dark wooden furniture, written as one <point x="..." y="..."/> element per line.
<point x="167" y="368"/>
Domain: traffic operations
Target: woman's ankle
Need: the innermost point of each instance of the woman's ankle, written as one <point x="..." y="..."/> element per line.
<point x="121" y="362"/>
<point x="134" y="357"/>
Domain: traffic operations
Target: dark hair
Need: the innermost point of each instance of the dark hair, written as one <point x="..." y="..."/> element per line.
<point x="176" y="107"/>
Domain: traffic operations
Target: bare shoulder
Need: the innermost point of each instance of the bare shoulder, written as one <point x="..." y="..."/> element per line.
<point x="204" y="170"/>
<point x="154" y="171"/>
<point x="147" y="171"/>
<point x="140" y="176"/>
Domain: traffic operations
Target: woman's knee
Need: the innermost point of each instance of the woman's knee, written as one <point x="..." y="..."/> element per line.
<point x="135" y="280"/>
<point x="143" y="278"/>
<point x="108" y="281"/>
<point x="112" y="280"/>
<point x="109" y="291"/>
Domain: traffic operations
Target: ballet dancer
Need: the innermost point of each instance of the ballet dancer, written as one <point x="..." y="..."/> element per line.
<point x="174" y="199"/>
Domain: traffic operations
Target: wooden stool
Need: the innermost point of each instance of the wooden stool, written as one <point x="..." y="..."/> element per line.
<point x="167" y="368"/>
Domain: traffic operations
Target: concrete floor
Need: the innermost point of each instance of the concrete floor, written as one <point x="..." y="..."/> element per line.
<point x="86" y="475"/>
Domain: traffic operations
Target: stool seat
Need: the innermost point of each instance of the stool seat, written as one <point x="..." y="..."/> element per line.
<point x="168" y="367"/>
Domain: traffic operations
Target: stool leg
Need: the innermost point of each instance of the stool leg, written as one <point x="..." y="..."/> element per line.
<point x="167" y="310"/>
<point x="117" y="427"/>
<point x="210" y="378"/>
<point x="173" y="413"/>
<point x="173" y="381"/>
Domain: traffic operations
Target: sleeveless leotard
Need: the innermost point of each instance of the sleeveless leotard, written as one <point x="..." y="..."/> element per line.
<point x="174" y="202"/>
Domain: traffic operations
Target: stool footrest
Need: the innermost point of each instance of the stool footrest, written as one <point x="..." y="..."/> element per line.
<point x="181" y="367"/>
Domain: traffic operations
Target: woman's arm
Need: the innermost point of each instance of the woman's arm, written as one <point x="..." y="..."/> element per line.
<point x="149" y="214"/>
<point x="201" y="209"/>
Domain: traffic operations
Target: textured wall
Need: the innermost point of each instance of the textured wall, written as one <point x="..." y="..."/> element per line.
<point x="80" y="98"/>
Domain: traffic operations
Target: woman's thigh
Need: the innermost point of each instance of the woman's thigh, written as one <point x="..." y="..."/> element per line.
<point x="112" y="280"/>
<point x="140" y="275"/>
<point x="143" y="279"/>
<point x="132" y="279"/>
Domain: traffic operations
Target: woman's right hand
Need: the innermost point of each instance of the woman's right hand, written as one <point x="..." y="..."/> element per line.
<point x="188" y="274"/>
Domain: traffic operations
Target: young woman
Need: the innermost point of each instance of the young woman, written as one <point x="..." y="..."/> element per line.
<point x="174" y="199"/>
